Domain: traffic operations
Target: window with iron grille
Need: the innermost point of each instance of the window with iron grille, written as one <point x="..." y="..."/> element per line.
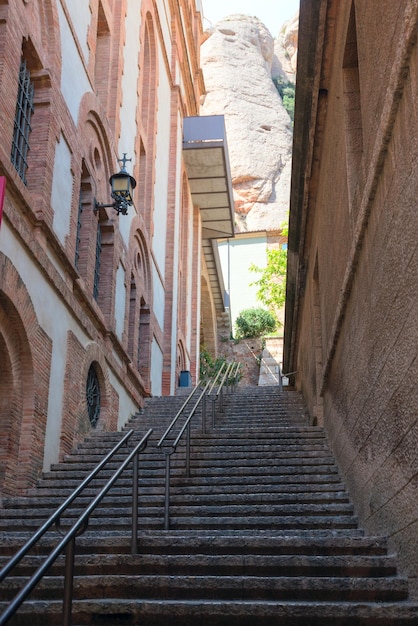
<point x="79" y="226"/>
<point x="93" y="395"/>
<point x="22" y="128"/>
<point x="97" y="264"/>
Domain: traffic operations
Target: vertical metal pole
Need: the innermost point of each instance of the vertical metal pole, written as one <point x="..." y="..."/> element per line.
<point x="221" y="402"/>
<point x="134" y="538"/>
<point x="213" y="411"/>
<point x="188" y="451"/>
<point x="68" y="583"/>
<point x="204" y="414"/>
<point x="167" y="491"/>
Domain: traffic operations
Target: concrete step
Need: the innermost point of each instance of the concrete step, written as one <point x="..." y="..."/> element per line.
<point x="215" y="542"/>
<point x="224" y="565"/>
<point x="147" y="612"/>
<point x="262" y="531"/>
<point x="218" y="587"/>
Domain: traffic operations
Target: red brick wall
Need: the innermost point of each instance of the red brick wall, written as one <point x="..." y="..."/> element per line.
<point x="33" y="29"/>
<point x="24" y="374"/>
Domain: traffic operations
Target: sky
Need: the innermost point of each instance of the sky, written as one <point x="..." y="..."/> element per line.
<point x="273" y="13"/>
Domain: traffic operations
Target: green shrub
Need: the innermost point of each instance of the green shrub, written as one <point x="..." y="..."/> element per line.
<point x="254" y="323"/>
<point x="209" y="366"/>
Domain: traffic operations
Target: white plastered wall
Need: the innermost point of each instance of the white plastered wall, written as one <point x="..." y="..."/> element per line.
<point x="236" y="257"/>
<point x="74" y="79"/>
<point x="62" y="190"/>
<point x="128" y="111"/>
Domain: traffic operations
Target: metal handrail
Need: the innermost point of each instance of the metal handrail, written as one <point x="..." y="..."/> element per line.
<point x="57" y="514"/>
<point x="219" y="393"/>
<point x="68" y="541"/>
<point x="177" y="415"/>
<point x="171" y="448"/>
<point x="215" y="380"/>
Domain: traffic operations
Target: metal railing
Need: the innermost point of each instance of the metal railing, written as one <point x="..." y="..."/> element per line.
<point x="227" y="374"/>
<point x="228" y="381"/>
<point x="67" y="543"/>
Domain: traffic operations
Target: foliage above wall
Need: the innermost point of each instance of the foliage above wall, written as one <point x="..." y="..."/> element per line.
<point x="254" y="322"/>
<point x="272" y="282"/>
<point x="286" y="90"/>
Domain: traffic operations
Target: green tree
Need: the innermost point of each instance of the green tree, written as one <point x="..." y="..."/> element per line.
<point x="272" y="282"/>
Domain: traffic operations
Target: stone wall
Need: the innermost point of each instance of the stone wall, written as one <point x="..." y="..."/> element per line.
<point x="351" y="315"/>
<point x="248" y="352"/>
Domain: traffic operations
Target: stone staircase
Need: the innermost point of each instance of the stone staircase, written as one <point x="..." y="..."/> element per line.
<point x="263" y="532"/>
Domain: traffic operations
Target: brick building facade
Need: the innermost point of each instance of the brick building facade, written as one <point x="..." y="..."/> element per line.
<point x="351" y="330"/>
<point x="97" y="309"/>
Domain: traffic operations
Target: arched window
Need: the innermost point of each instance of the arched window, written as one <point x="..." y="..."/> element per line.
<point x="93" y="395"/>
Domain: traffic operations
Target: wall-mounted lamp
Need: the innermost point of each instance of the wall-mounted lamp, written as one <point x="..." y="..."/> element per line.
<point x="122" y="185"/>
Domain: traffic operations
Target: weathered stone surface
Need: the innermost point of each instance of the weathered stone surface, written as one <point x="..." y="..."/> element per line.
<point x="237" y="60"/>
<point x="286" y="49"/>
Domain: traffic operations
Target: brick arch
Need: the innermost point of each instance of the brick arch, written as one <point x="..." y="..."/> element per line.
<point x="25" y="360"/>
<point x="95" y="355"/>
<point x="147" y="116"/>
<point x="140" y="303"/>
<point x="98" y="137"/>
<point x="139" y="246"/>
<point x="97" y="163"/>
<point x="207" y="319"/>
<point x="45" y="15"/>
<point x="181" y="359"/>
<point x="76" y="425"/>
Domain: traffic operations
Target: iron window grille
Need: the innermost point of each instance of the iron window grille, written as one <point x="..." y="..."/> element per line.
<point x="93" y="395"/>
<point x="78" y="236"/>
<point x="22" y="127"/>
<point x="97" y="264"/>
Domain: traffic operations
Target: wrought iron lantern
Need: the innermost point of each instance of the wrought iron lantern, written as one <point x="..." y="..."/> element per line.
<point x="122" y="185"/>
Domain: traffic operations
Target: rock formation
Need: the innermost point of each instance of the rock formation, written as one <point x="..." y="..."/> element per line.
<point x="285" y="50"/>
<point x="238" y="59"/>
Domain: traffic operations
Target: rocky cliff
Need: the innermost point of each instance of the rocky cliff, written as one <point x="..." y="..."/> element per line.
<point x="240" y="58"/>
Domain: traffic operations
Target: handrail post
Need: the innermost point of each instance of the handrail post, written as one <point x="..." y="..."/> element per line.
<point x="204" y="414"/>
<point x="134" y="538"/>
<point x="167" y="490"/>
<point x="68" y="582"/>
<point x="188" y="451"/>
<point x="280" y="378"/>
<point x="221" y="401"/>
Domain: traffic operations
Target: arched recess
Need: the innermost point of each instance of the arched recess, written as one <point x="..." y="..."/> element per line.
<point x="77" y="423"/>
<point x="353" y="124"/>
<point x="41" y="55"/>
<point x="93" y="231"/>
<point x="184" y="273"/>
<point x="25" y="359"/>
<point x="42" y="17"/>
<point x="207" y="319"/>
<point x="147" y="119"/>
<point x="140" y="304"/>
<point x="181" y="360"/>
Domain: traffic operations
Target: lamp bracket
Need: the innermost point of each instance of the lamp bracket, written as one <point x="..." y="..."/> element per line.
<point x="119" y="205"/>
